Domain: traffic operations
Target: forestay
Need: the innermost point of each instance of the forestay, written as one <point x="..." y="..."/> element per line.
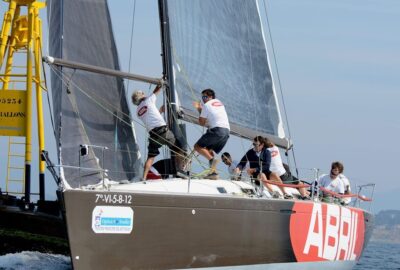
<point x="219" y="44"/>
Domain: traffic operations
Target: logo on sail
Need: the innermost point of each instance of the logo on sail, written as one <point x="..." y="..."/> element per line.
<point x="320" y="232"/>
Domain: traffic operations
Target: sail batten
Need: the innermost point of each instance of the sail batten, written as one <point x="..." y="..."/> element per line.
<point x="219" y="44"/>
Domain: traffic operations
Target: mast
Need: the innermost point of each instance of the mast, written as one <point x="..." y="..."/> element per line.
<point x="172" y="116"/>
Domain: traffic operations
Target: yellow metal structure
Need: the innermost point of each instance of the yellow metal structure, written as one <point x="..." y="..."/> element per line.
<point x="12" y="113"/>
<point x="22" y="34"/>
<point x="15" y="183"/>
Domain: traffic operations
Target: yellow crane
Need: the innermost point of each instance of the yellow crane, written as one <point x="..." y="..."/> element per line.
<point x="21" y="41"/>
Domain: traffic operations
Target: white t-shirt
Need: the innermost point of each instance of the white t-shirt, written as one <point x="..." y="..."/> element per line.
<point x="232" y="167"/>
<point x="276" y="161"/>
<point x="214" y="111"/>
<point x="346" y="183"/>
<point x="149" y="114"/>
<point x="336" y="185"/>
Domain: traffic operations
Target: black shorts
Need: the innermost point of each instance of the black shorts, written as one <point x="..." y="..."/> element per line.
<point x="289" y="179"/>
<point x="160" y="136"/>
<point x="214" y="139"/>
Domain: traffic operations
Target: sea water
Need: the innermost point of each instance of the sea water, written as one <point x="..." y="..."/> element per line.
<point x="380" y="256"/>
<point x="376" y="256"/>
<point x="31" y="260"/>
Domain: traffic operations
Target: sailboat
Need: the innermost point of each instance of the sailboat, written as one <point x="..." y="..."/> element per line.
<point x="115" y="221"/>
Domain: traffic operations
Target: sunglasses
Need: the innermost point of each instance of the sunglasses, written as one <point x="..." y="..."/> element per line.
<point x="224" y="160"/>
<point x="204" y="97"/>
<point x="256" y="144"/>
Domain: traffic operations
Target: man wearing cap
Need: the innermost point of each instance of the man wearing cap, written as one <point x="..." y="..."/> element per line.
<point x="155" y="125"/>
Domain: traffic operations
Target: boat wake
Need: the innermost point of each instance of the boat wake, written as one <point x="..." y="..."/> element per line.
<point x="35" y="261"/>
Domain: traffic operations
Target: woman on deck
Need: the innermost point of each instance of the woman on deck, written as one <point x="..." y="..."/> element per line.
<point x="259" y="159"/>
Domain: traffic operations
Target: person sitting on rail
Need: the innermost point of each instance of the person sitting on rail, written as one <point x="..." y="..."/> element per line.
<point x="278" y="168"/>
<point x="259" y="159"/>
<point x="332" y="182"/>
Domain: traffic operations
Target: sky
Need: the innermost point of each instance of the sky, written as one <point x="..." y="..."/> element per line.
<point x="338" y="64"/>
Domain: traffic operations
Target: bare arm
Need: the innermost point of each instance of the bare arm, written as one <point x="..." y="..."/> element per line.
<point x="197" y="105"/>
<point x="162" y="109"/>
<point x="157" y="89"/>
<point x="202" y="121"/>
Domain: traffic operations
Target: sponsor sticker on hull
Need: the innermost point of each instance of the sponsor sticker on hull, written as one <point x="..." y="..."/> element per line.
<point x="112" y="219"/>
<point x="326" y="232"/>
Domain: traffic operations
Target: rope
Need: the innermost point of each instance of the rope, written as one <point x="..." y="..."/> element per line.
<point x="176" y="119"/>
<point x="130" y="57"/>
<point x="105" y="108"/>
<point x="185" y="76"/>
<point x="280" y="83"/>
<point x="287" y="185"/>
<point x="351" y="195"/>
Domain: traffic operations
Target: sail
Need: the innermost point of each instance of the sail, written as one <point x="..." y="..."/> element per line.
<point x="219" y="44"/>
<point x="89" y="108"/>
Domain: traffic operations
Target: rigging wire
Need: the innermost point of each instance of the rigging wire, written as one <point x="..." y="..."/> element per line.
<point x="50" y="14"/>
<point x="48" y="90"/>
<point x="48" y="99"/>
<point x="186" y="78"/>
<point x="202" y="164"/>
<point x="251" y="71"/>
<point x="193" y="95"/>
<point x="131" y="41"/>
<point x="124" y="91"/>
<point x="108" y="110"/>
<point x="279" y="81"/>
<point x="252" y="84"/>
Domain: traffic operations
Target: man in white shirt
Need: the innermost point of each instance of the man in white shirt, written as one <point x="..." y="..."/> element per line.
<point x="231" y="164"/>
<point x="347" y="189"/>
<point x="332" y="181"/>
<point x="212" y="115"/>
<point x="155" y="125"/>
